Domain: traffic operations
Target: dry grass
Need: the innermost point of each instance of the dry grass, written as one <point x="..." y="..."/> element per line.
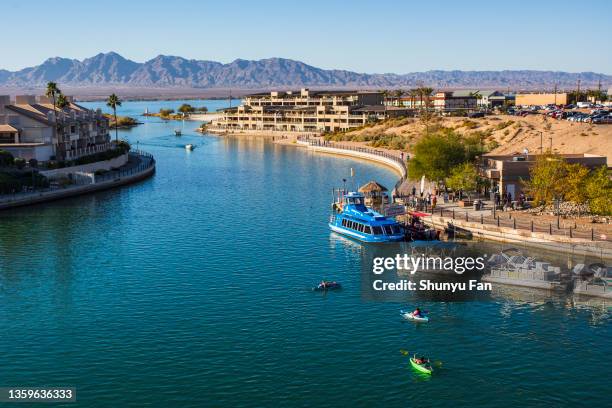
<point x="510" y="133"/>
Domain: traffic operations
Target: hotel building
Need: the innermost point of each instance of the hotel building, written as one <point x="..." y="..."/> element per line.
<point x="305" y="111"/>
<point x="27" y="129"/>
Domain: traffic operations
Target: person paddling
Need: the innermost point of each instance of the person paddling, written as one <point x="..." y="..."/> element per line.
<point x="417" y="313"/>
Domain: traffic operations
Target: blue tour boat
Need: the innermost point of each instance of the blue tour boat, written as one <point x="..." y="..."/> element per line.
<point x="357" y="221"/>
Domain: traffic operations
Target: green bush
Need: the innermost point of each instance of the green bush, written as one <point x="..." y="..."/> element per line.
<point x="6" y="158"/>
<point x="19" y="163"/>
<point x="15" y="181"/>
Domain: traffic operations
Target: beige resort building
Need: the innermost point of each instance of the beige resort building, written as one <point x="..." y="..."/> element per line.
<point x="305" y="111"/>
<point x="27" y="129"/>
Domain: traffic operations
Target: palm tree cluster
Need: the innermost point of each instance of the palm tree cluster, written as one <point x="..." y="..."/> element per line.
<point x="422" y="93"/>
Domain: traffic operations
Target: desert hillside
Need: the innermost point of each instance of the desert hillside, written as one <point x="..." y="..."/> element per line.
<point x="499" y="133"/>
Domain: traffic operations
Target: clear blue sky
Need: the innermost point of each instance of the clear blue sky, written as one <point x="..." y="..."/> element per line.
<point x="364" y="36"/>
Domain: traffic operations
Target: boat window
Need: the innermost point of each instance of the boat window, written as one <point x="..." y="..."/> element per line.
<point x="396" y="229"/>
<point x="351" y="224"/>
<point x="367" y="229"/>
<point x="377" y="230"/>
<point x="344" y="222"/>
<point x="358" y="200"/>
<point x="388" y="230"/>
<point x="360" y="227"/>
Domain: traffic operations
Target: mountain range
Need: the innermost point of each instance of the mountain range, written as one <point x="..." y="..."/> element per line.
<point x="111" y="69"/>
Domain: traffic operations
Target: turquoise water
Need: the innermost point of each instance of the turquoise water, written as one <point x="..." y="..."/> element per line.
<point x="192" y="288"/>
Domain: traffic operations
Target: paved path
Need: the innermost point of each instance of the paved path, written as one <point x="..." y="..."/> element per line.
<point x="525" y="221"/>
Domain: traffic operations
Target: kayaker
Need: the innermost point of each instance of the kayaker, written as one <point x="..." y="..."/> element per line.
<point x="417" y="313"/>
<point x="421" y="360"/>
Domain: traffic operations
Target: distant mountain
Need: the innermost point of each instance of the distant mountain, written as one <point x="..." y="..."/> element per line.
<point x="170" y="71"/>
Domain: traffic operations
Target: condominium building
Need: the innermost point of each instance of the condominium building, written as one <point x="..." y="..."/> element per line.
<point x="304" y="111"/>
<point x="454" y="100"/>
<point x="28" y="129"/>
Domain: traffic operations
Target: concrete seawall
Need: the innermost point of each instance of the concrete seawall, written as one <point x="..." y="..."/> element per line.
<point x="559" y="243"/>
<point x="52" y="195"/>
<point x="392" y="163"/>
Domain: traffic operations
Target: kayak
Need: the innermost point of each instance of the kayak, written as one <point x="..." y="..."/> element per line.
<point x="410" y="316"/>
<point x="328" y="286"/>
<point x="423" y="368"/>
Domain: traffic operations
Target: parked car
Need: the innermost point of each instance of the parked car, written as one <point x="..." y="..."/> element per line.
<point x="476" y="115"/>
<point x="603" y="120"/>
<point x="584" y="104"/>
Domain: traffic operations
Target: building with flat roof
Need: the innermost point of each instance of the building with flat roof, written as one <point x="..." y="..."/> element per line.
<point x="507" y="172"/>
<point x="28" y="129"/>
<point x="530" y="99"/>
<point x="305" y="111"/>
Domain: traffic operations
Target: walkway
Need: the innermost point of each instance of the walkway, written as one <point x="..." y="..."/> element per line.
<point x="140" y="165"/>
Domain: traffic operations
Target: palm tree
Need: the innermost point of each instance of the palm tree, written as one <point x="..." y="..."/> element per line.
<point x="113" y="101"/>
<point x="476" y="95"/>
<point x="62" y="102"/>
<point x="52" y="92"/>
<point x="385" y="94"/>
<point x="413" y="93"/>
<point x="398" y="94"/>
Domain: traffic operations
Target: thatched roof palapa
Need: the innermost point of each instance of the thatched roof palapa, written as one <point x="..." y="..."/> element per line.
<point x="372" y="187"/>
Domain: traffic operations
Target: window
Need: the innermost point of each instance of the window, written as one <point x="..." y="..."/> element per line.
<point x="367" y="229"/>
<point x="360" y="227"/>
<point x="377" y="230"/>
<point x="388" y="230"/>
<point x="72" y="129"/>
<point x="344" y="222"/>
<point x="396" y="229"/>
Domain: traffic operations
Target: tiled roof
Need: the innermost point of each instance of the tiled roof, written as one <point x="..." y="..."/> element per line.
<point x="7" y="128"/>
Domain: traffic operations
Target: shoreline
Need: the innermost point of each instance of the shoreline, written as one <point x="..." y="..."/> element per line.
<point x="499" y="234"/>
<point x="115" y="179"/>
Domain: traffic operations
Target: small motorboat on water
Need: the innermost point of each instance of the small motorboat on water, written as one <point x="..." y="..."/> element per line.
<point x="417" y="230"/>
<point x="410" y="316"/>
<point x="178" y="132"/>
<point x="327" y="285"/>
<point x="189" y="146"/>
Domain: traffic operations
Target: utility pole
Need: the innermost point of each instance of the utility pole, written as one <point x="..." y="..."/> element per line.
<point x="550" y="144"/>
<point x="578" y="92"/>
<point x="598" y="89"/>
<point x="541" y="144"/>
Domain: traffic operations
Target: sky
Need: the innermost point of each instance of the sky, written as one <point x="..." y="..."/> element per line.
<point x="376" y="36"/>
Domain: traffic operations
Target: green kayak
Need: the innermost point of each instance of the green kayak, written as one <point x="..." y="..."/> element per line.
<point x="423" y="368"/>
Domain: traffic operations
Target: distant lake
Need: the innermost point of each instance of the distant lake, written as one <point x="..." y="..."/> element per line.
<point x="193" y="288"/>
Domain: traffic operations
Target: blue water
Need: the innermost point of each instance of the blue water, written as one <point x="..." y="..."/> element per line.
<point x="192" y="288"/>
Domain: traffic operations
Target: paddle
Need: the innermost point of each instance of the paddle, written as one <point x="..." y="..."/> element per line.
<point x="436" y="363"/>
